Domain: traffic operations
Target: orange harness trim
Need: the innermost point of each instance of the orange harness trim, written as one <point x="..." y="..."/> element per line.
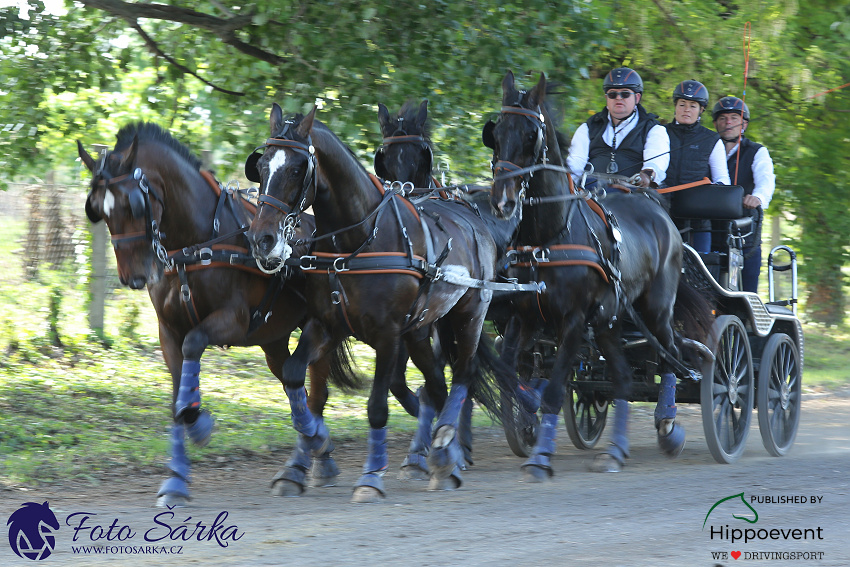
<point x="557" y="263"/>
<point x="217" y="190"/>
<point x="594" y="206"/>
<point x="408" y="272"/>
<point x="703" y="181"/>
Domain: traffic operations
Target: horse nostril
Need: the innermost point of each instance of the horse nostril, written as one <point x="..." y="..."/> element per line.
<point x="265" y="244"/>
<point x="138" y="282"/>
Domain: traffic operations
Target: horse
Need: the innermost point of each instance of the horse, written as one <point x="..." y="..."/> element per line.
<point x="406" y="156"/>
<point x="381" y="271"/>
<point x="207" y="290"/>
<point x="600" y="261"/>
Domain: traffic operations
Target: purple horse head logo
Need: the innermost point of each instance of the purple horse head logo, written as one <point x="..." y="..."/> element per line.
<point x="31" y="530"/>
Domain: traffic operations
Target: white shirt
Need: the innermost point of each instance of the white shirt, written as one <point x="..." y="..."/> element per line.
<point x="717" y="163"/>
<point x="763" y="177"/>
<point x="656" y="151"/>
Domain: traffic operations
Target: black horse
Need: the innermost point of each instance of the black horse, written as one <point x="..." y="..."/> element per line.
<point x="600" y="262"/>
<point x="175" y="231"/>
<point x="382" y="271"/>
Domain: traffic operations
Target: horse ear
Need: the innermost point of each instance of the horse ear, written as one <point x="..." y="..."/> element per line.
<point x="384" y="119"/>
<point x="487" y="135"/>
<point x="85" y="156"/>
<point x="508" y="89"/>
<point x="423" y="114"/>
<point x="130" y="157"/>
<point x="306" y="125"/>
<point x="538" y="93"/>
<point x="276" y="119"/>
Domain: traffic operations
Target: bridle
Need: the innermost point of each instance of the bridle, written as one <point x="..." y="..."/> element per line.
<point x="140" y="203"/>
<point x="400" y="136"/>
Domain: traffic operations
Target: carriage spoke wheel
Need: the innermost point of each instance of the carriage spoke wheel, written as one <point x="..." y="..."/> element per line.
<point x="584" y="416"/>
<point x="778" y="394"/>
<point x="727" y="390"/>
<point x="520" y="428"/>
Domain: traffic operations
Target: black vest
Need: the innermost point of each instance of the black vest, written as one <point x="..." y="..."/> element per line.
<point x="748" y="151"/>
<point x="629" y="152"/>
<point x="690" y="147"/>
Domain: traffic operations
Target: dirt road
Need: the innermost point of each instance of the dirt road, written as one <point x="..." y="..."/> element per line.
<point x="650" y="514"/>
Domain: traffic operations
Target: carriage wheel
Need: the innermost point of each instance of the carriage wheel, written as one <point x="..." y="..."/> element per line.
<point x="520" y="428"/>
<point x="727" y="390"/>
<point x="779" y="391"/>
<point x="584" y="416"/>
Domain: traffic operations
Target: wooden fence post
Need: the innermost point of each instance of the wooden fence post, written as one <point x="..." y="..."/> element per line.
<point x="97" y="282"/>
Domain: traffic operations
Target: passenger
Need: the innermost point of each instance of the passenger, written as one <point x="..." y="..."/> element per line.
<point x="622" y="139"/>
<point x="753" y="170"/>
<point x="695" y="151"/>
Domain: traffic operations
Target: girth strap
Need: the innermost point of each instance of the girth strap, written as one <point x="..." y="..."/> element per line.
<point x="555" y="256"/>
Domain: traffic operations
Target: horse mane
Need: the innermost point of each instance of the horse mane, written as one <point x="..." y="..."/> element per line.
<point x="150" y="132"/>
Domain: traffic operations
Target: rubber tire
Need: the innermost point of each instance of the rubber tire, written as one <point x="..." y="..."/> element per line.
<point x="779" y="370"/>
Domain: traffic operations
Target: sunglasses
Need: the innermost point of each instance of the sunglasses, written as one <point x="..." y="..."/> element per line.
<point x="622" y="94"/>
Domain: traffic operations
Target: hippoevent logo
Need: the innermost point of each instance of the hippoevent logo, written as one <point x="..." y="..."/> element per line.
<point x="31" y="529"/>
<point x="731" y="515"/>
<point x="33" y="526"/>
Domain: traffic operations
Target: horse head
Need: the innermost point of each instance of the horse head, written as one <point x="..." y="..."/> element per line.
<point x="122" y="195"/>
<point x="518" y="143"/>
<point x="286" y="172"/>
<point x="406" y="153"/>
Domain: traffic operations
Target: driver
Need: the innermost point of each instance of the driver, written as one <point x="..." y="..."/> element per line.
<point x="623" y="139"/>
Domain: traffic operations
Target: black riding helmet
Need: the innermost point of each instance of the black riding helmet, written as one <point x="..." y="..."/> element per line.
<point x="731" y="104"/>
<point x="623" y="78"/>
<point x="691" y="90"/>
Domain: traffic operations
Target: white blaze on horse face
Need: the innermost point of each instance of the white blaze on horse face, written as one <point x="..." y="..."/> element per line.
<point x="108" y="202"/>
<point x="277" y="162"/>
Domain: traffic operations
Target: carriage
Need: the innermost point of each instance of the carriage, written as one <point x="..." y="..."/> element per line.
<point x="755" y="358"/>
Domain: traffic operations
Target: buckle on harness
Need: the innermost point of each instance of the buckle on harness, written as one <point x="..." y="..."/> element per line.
<point x="335" y="298"/>
<point x="205" y="254"/>
<point x="233" y="259"/>
<point x="540" y="255"/>
<point x="339" y="268"/>
<point x="308" y="259"/>
<point x="185" y="294"/>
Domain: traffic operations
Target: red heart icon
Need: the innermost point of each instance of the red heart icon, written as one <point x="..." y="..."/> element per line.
<point x="735" y="555"/>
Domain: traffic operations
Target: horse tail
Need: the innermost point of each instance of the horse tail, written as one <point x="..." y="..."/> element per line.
<point x="342" y="373"/>
<point x="693" y="312"/>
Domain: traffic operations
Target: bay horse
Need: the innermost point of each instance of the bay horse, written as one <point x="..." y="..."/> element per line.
<point x="406" y="156"/>
<point x="160" y="207"/>
<point x="599" y="260"/>
<point x="378" y="271"/>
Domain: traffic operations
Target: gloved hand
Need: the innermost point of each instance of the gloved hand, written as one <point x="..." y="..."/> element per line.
<point x="642" y="179"/>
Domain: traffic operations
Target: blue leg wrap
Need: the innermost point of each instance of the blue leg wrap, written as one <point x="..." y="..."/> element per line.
<point x="189" y="393"/>
<point x="410" y="403"/>
<point x="464" y="432"/>
<point x="377" y="460"/>
<point x="529" y="394"/>
<point x="451" y="410"/>
<point x="324" y="467"/>
<point x="544" y="447"/>
<point x="178" y="483"/>
<point x="666" y="407"/>
<point x="421" y="442"/>
<point x="619" y="447"/>
<point x="316" y="434"/>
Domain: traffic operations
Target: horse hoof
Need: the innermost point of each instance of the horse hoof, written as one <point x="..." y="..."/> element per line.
<point x="449" y="483"/>
<point x="412" y="472"/>
<point x="673" y="442"/>
<point x="324" y="472"/>
<point x="287" y="488"/>
<point x="366" y="495"/>
<point x="535" y="474"/>
<point x="200" y="430"/>
<point x="172" y="501"/>
<point x="605" y="463"/>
